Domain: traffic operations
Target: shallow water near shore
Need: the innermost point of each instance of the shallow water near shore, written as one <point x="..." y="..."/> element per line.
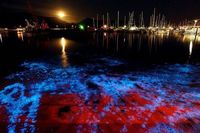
<point x="99" y="82"/>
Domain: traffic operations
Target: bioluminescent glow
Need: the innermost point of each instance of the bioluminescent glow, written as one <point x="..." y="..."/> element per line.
<point x="16" y="107"/>
<point x="161" y="99"/>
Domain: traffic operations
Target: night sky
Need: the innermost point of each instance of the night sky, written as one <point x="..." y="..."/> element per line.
<point x="175" y="10"/>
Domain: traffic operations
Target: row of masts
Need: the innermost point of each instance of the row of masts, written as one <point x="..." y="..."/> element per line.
<point x="156" y="20"/>
<point x="107" y="23"/>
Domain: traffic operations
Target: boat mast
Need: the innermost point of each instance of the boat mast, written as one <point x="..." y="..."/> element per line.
<point x="130" y="23"/>
<point x="154" y="17"/>
<point x="159" y="21"/>
<point x="97" y="21"/>
<point x="150" y="22"/>
<point x="118" y="19"/>
<point x="124" y="20"/>
<point x="93" y="21"/>
<point x="134" y="18"/>
<point x="103" y="20"/>
<point x="156" y="22"/>
<point x="107" y="19"/>
<point x="141" y="20"/>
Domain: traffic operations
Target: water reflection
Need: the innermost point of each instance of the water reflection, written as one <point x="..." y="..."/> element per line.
<point x="49" y="98"/>
<point x="118" y="42"/>
<point x="130" y="40"/>
<point x="191" y="39"/>
<point x="188" y="38"/>
<point x="20" y="107"/>
<point x="1" y="39"/>
<point x="20" y="35"/>
<point x="190" y="48"/>
<point x="105" y="39"/>
<point x="64" y="58"/>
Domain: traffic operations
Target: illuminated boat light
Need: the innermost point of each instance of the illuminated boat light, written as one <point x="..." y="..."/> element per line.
<point x="20" y="35"/>
<point x="133" y="28"/>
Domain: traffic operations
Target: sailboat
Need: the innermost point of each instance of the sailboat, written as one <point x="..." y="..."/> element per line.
<point x="192" y="30"/>
<point x="131" y="23"/>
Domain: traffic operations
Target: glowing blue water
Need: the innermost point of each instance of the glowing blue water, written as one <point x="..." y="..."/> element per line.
<point x="28" y="86"/>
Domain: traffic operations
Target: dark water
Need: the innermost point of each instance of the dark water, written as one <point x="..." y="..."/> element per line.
<point x="99" y="82"/>
<point x="141" y="49"/>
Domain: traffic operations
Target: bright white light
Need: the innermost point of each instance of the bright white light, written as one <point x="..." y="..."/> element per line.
<point x="170" y="28"/>
<point x="63" y="43"/>
<point x="64" y="58"/>
<point x="61" y="14"/>
<point x="133" y="28"/>
<point x="1" y="38"/>
<point x="190" y="49"/>
<point x="20" y="29"/>
<point x="124" y="27"/>
<point x="105" y="26"/>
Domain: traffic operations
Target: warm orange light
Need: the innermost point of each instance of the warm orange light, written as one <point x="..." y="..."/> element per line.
<point x="105" y="26"/>
<point x="64" y="58"/>
<point x="61" y="14"/>
<point x="63" y="42"/>
<point x="20" y="35"/>
<point x="190" y="48"/>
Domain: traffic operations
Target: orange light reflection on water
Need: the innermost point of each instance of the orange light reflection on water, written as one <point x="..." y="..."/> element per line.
<point x="20" y="35"/>
<point x="64" y="58"/>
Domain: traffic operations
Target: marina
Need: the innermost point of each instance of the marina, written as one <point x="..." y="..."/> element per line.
<point x="134" y="76"/>
<point x="157" y="25"/>
<point x="99" y="66"/>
